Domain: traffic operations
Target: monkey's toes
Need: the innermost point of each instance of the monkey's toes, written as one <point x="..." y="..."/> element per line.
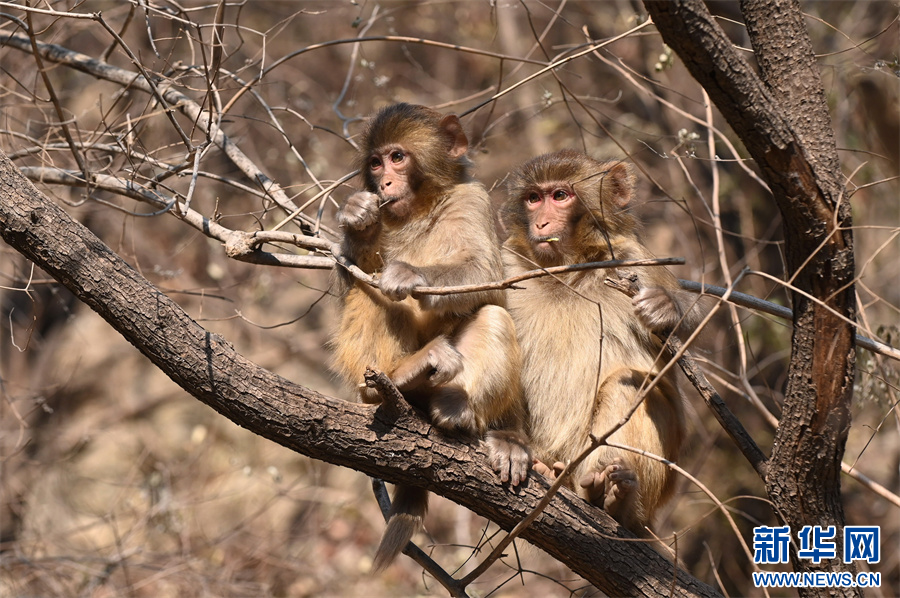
<point x="613" y="487"/>
<point x="510" y="456"/>
<point x="446" y="362"/>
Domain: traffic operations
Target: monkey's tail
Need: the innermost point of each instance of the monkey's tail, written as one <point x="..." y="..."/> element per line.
<point x="405" y="519"/>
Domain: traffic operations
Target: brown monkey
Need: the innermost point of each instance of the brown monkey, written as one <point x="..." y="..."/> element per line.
<point x="588" y="348"/>
<point x="422" y="221"/>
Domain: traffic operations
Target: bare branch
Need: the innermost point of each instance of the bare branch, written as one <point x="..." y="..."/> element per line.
<point x="102" y="70"/>
<point x="761" y="305"/>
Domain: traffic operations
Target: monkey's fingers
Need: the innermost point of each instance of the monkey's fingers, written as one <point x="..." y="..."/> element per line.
<point x="595" y="484"/>
<point x="599" y="486"/>
<point x="360" y="211"/>
<point x="500" y="463"/>
<point x="399" y="279"/>
<point x="614" y="488"/>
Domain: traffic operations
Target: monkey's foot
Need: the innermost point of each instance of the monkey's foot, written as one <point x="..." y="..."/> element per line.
<point x="551" y="473"/>
<point x="615" y="488"/>
<point x="509" y="454"/>
<point x="450" y="410"/>
<point x="436" y="363"/>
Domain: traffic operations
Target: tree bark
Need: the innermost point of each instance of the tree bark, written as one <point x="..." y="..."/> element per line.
<point x="380" y="442"/>
<point x="782" y="118"/>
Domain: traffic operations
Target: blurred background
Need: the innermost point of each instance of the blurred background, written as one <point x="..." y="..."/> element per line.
<point x="115" y="482"/>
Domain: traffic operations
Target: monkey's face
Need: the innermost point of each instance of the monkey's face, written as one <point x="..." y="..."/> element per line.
<point x="391" y="176"/>
<point x="551" y="210"/>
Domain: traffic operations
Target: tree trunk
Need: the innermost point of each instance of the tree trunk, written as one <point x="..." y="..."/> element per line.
<point x="782" y="118"/>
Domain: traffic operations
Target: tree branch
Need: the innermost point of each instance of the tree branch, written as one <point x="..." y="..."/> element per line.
<point x="191" y="109"/>
<point x="362" y="437"/>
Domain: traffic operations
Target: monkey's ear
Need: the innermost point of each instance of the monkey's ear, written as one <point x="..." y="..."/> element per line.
<point x="619" y="183"/>
<point x="453" y="131"/>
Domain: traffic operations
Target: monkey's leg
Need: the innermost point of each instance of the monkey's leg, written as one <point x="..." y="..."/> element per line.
<point x="628" y="486"/>
<point x="486" y="381"/>
<point x="490" y="396"/>
<point x="491" y="361"/>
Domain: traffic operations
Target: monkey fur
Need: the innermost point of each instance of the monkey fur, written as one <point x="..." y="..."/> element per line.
<point x="421" y="220"/>
<point x="588" y="348"/>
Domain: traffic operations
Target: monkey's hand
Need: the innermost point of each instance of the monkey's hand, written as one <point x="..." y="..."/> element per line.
<point x="657" y="309"/>
<point x="615" y="488"/>
<point x="399" y="279"/>
<point x="360" y="212"/>
<point x="436" y="363"/>
<point x="509" y="454"/>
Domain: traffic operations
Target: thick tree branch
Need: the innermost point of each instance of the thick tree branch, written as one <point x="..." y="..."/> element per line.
<point x="362" y="437"/>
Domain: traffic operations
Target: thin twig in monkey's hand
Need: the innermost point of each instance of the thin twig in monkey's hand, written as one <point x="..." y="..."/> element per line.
<point x="629" y="284"/>
<point x="510" y="283"/>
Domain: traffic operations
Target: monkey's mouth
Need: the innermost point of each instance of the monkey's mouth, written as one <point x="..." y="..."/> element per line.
<point x="548" y="240"/>
<point x="393" y="202"/>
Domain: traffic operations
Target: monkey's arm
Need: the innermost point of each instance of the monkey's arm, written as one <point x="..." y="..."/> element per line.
<point x="400" y="279"/>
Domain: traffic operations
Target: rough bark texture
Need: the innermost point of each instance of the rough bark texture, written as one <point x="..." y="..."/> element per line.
<point x="782" y="118"/>
<point x="376" y="441"/>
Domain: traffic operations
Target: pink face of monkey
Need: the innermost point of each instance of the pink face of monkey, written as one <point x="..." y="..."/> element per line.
<point x="412" y="156"/>
<point x="552" y="209"/>
<point x="392" y="169"/>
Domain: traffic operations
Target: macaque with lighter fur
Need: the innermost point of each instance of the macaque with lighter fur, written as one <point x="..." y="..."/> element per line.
<point x="588" y="349"/>
<point x="421" y="220"/>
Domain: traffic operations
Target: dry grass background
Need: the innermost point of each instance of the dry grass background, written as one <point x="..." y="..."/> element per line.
<point x="117" y="483"/>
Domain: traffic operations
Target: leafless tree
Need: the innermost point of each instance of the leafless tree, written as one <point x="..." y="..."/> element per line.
<point x="185" y="111"/>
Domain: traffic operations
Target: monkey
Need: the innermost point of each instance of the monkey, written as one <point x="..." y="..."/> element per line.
<point x="422" y="220"/>
<point x="587" y="348"/>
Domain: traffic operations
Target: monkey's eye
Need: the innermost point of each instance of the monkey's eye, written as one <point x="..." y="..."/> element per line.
<point x="374" y="163"/>
<point x="560" y="195"/>
<point x="397" y="156"/>
<point x="533" y="198"/>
